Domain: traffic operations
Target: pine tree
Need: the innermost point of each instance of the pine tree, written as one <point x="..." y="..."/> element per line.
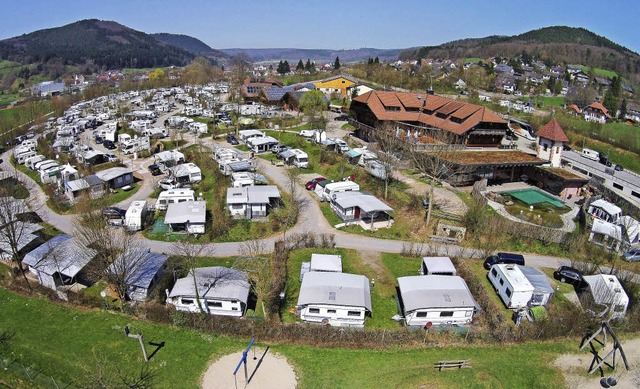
<point x="336" y="65"/>
<point x="280" y="68"/>
<point x="287" y="68"/>
<point x="376" y="61"/>
<point x="307" y="66"/>
<point x="300" y="66"/>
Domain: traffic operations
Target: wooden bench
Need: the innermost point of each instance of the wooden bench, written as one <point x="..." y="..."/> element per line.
<point x="452" y="364"/>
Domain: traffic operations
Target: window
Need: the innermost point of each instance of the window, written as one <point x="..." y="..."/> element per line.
<point x="331" y="311"/>
<point x="214" y="304"/>
<point x="494" y="272"/>
<point x="635" y="194"/>
<point x="467" y="313"/>
<point x="236" y="206"/>
<point x="501" y="281"/>
<point x="508" y="292"/>
<point x="187" y="301"/>
<point x="353" y="313"/>
<point x="314" y="310"/>
<point x="618" y="186"/>
<point x="421" y="314"/>
<point x="446" y="313"/>
<point x="546" y="147"/>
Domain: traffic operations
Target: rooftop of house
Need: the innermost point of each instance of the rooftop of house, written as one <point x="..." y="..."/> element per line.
<point x="498" y="157"/>
<point x="553" y="131"/>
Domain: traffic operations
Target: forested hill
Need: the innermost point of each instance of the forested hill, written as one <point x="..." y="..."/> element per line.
<point x="191" y="44"/>
<point x="105" y="43"/>
<point x="557" y="44"/>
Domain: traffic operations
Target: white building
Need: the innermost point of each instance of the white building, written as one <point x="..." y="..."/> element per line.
<point x="551" y="140"/>
<point x="250" y="202"/>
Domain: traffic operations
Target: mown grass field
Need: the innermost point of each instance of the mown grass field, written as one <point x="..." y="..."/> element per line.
<point x="68" y="344"/>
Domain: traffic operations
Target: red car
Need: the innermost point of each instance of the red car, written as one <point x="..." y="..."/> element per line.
<point x="311" y="185"/>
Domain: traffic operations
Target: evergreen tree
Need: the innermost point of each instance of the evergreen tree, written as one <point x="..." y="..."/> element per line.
<point x="336" y="65"/>
<point x="307" y="66"/>
<point x="376" y="61"/>
<point x="370" y="61"/>
<point x="623" y="109"/>
<point x="280" y="68"/>
<point x="286" y="66"/>
<point x="300" y="66"/>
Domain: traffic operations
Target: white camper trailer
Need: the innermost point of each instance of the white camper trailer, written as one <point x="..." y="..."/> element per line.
<point x="512" y="286"/>
<point x="186" y="173"/>
<point x="134" y="218"/>
<point x="337" y="187"/>
<point x="174" y="196"/>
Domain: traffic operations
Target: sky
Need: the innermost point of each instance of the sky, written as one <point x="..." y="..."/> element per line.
<point x="331" y="24"/>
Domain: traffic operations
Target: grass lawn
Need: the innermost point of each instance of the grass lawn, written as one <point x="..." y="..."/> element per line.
<point x="7" y="99"/>
<point x="473" y="60"/>
<point x="74" y="341"/>
<point x="600" y="72"/>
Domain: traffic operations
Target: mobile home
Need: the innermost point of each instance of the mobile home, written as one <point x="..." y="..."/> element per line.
<point x="435" y="299"/>
<point x="136" y="213"/>
<point x="512" y="286"/>
<point x="437" y="266"/>
<point x="186" y="173"/>
<point x="338" y="187"/>
<point x="174" y="196"/>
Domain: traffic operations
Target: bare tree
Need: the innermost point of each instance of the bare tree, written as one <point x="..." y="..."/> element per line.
<point x="102" y="373"/>
<point x="298" y="201"/>
<point x="389" y="146"/>
<point x="15" y="228"/>
<point x="119" y="253"/>
<point x="256" y="261"/>
<point x="188" y="259"/>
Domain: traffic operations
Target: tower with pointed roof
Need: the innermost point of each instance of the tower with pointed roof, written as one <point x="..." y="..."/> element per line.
<point x="550" y="142"/>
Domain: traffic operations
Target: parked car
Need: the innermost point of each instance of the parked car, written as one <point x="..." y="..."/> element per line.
<point x="569" y="275"/>
<point x="111" y="157"/>
<point x="155" y="169"/>
<point x="109" y="145"/>
<point x="168" y="183"/>
<point x="516" y="259"/>
<point x="113" y="212"/>
<point x="99" y="139"/>
<point x="232" y="140"/>
<point x="618" y="168"/>
<point x="632" y="255"/>
<point x="311" y="185"/>
<point x="341" y="118"/>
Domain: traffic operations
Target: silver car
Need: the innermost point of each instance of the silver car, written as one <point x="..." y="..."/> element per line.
<point x="632" y="255"/>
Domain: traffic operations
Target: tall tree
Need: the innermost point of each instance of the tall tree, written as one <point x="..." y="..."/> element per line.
<point x="336" y="64"/>
<point x="313" y="104"/>
<point x="300" y="66"/>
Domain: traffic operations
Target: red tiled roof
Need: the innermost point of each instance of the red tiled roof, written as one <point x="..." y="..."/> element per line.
<point x="598" y="106"/>
<point x="438" y="111"/>
<point x="553" y="131"/>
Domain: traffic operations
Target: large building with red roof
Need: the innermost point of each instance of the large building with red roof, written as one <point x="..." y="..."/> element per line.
<point x="425" y="117"/>
<point x="551" y="140"/>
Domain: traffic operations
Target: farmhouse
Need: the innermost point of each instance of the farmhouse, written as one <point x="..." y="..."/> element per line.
<point x="596" y="112"/>
<point x="431" y="115"/>
<point x="337" y="84"/>
<point x="336" y="299"/>
<point x="59" y="262"/>
<point x="438" y="299"/>
<point x="221" y="291"/>
<point x="188" y="216"/>
<point x="251" y="202"/>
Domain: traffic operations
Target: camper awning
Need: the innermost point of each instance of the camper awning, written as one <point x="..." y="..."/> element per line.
<point x="366" y="203"/>
<point x="287" y="154"/>
<point x="240" y="166"/>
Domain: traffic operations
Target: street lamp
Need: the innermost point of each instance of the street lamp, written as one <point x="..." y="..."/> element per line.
<point x="103" y="293"/>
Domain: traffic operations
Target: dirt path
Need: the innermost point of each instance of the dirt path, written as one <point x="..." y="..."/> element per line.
<point x="574" y="368"/>
<point x="267" y="371"/>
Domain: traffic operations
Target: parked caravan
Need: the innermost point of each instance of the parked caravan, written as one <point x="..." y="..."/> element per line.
<point x="186" y="173"/>
<point x="135" y="216"/>
<point x="234" y="166"/>
<point x="31" y="161"/>
<point x="300" y="158"/>
<point x="337" y="187"/>
<point x="511" y="284"/>
<point x="591" y="154"/>
<point x="174" y="196"/>
<point x="136" y="145"/>
<point x="24" y="155"/>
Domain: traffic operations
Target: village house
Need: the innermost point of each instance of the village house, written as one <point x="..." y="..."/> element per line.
<point x="596" y="112"/>
<point x="336" y="85"/>
<point x="221" y="291"/>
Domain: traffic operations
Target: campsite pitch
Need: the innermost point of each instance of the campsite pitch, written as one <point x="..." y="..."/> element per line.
<point x="267" y="371"/>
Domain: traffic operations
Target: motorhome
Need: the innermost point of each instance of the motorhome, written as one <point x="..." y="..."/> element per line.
<point x="228" y="167"/>
<point x="241" y="179"/>
<point x="511" y="284"/>
<point x="135" y="216"/>
<point x="107" y="134"/>
<point x="174" y="196"/>
<point x="136" y="145"/>
<point x="155" y="132"/>
<point x="248" y="134"/>
<point x="591" y="154"/>
<point x="295" y="157"/>
<point x="337" y="187"/>
<point x="50" y="174"/>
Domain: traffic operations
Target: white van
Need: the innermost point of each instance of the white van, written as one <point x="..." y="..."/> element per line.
<point x="338" y="187"/>
<point x="511" y="284"/>
<point x="174" y="196"/>
<point x="591" y="154"/>
<point x="300" y="158"/>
